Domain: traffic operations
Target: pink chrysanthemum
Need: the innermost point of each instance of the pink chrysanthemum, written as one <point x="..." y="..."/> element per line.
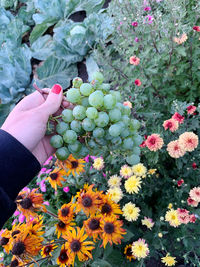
<point x="134" y="24"/>
<point x="178" y="117"/>
<point x="134" y="60"/>
<point x="183" y="216"/>
<point x="191" y="109"/>
<point x="154" y="142"/>
<point x="180" y="182"/>
<point x="137" y="82"/>
<point x="175" y="150"/>
<point x="192" y="202"/>
<point x="171" y="124"/>
<point x="189" y="141"/>
<point x="196" y="28"/>
<point x="192" y="218"/>
<point x="195" y="194"/>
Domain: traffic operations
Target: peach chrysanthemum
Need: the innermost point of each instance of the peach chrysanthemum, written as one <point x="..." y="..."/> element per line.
<point x="189" y="141"/>
<point x="154" y="142"/>
<point x="175" y="150"/>
<point x="195" y="194"/>
<point x="180" y="40"/>
<point x="178" y="117"/>
<point x="128" y="103"/>
<point x="191" y="109"/>
<point x="134" y="60"/>
<point x="171" y="124"/>
<point x="183" y="216"/>
<point x="192" y="202"/>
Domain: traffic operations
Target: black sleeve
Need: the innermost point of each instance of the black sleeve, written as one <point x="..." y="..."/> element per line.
<point x="18" y="166"/>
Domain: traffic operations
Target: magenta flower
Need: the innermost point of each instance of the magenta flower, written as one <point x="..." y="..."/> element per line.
<point x="147" y="8"/>
<point x="48" y="160"/>
<point x="21" y="218"/>
<point x="16" y="213"/>
<point x="136" y="39"/>
<point x="149" y="19"/>
<point x="48" y="171"/>
<point x="66" y="189"/>
<point x="134" y="24"/>
<point x="14" y="222"/>
<point x="43" y="186"/>
<point x="87" y="158"/>
<point x="46" y="203"/>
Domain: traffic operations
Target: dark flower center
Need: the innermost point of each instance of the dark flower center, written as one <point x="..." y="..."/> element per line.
<point x="63" y="256"/>
<point x="106" y="209"/>
<point x="4" y="241"/>
<point x="26" y="203"/>
<point x="94" y="224"/>
<point x="75" y="246"/>
<point x="54" y="176"/>
<point x="87" y="201"/>
<point x="18" y="248"/>
<point x="47" y="250"/>
<point x="109" y="228"/>
<point x="61" y="224"/>
<point x="74" y="164"/>
<point x="15" y="233"/>
<point x="129" y="252"/>
<point x="152" y="141"/>
<point x="65" y="212"/>
<point x="14" y="263"/>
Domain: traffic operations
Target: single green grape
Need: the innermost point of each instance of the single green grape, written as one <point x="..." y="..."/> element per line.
<point x="85" y="102"/>
<point x="98" y="76"/>
<point x="79" y="112"/>
<point x="86" y="89"/>
<point x="88" y="125"/>
<point x="126" y="120"/>
<point x="115" y="130"/>
<point x="102" y="120"/>
<point x="128" y="143"/>
<point x="73" y="95"/>
<point x="92" y="113"/>
<point x="75" y="147"/>
<point x="62" y="127"/>
<point x="70" y="137"/>
<point x="77" y="82"/>
<point x="126" y="111"/>
<point x="67" y="115"/>
<point x="105" y="87"/>
<point x="98" y="132"/>
<point x="133" y="159"/>
<point x="116" y="94"/>
<point x="62" y="153"/>
<point x="96" y="99"/>
<point x="109" y="101"/>
<point x="56" y="141"/>
<point x="115" y="115"/>
<point x="76" y="126"/>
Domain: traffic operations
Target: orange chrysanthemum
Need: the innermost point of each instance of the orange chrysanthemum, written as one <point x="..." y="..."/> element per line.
<point x="66" y="212"/>
<point x="87" y="201"/>
<point x="175" y="150"/>
<point x="189" y="141"/>
<point x="92" y="226"/>
<point x="76" y="245"/>
<point x="111" y="230"/>
<point x="55" y="178"/>
<point x="30" y="202"/>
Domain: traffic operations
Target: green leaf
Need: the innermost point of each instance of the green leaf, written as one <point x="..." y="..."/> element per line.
<point x="56" y="70"/>
<point x="127" y="236"/>
<point x="100" y="263"/>
<point x="4" y="111"/>
<point x="43" y="47"/>
<point x="39" y="29"/>
<point x="181" y="51"/>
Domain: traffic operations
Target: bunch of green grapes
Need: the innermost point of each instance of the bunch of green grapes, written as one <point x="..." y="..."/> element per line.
<point x="98" y="123"/>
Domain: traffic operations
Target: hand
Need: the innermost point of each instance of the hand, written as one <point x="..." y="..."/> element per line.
<point x="28" y="120"/>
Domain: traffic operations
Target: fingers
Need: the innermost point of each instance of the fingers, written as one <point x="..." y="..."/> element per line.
<point x="53" y="101"/>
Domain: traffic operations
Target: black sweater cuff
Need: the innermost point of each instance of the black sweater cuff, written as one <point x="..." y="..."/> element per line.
<point x="18" y="166"/>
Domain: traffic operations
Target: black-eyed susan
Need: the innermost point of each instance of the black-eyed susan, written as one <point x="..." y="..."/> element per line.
<point x="76" y="245"/>
<point x="111" y="230"/>
<point x="72" y="165"/>
<point x="5" y="240"/>
<point x="92" y="226"/>
<point x="30" y="203"/>
<point x="63" y="259"/>
<point x="66" y="212"/>
<point x="61" y="227"/>
<point x="16" y="262"/>
<point x="56" y="178"/>
<point x="24" y="246"/>
<point x="87" y="201"/>
<point x="109" y="207"/>
<point x="128" y="252"/>
<point x="48" y="249"/>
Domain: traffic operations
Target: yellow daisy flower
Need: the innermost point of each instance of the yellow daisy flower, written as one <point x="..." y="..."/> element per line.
<point x="133" y="184"/>
<point x="114" y="181"/>
<point x="131" y="212"/>
<point x="115" y="193"/>
<point x="140" y="249"/>
<point x="139" y="170"/>
<point x="172" y="217"/>
<point x="98" y="164"/>
<point x="148" y="222"/>
<point x="126" y="171"/>
<point x="168" y="260"/>
<point x="170" y="206"/>
<point x="151" y="171"/>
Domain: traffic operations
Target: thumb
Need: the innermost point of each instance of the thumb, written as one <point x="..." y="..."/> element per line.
<point x="53" y="101"/>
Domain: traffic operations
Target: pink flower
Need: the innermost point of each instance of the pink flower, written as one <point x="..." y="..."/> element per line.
<point x="137" y="82"/>
<point x="191" y="109"/>
<point x="104" y="175"/>
<point x="46" y="203"/>
<point x="128" y="104"/>
<point x="192" y="218"/>
<point x="66" y="189"/>
<point x="48" y="171"/>
<point x="178" y="117"/>
<point x="175" y="150"/>
<point x="192" y="202"/>
<point x="188" y="141"/>
<point x="183" y="216"/>
<point x="43" y="186"/>
<point x="195" y="194"/>
<point x="43" y="170"/>
<point x="87" y="158"/>
<point x="143" y="144"/>
<point x="171" y="124"/>
<point x="134" y="24"/>
<point x="147" y="8"/>
<point x="154" y="142"/>
<point x="21" y="218"/>
<point x="149" y="19"/>
<point x="136" y="39"/>
<point x="48" y="160"/>
<point x="180" y="182"/>
<point x="14" y="222"/>
<point x="16" y="213"/>
<point x="194" y="165"/>
<point x="196" y="28"/>
<point x="134" y="60"/>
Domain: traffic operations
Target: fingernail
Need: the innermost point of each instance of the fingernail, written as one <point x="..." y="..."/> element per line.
<point x="56" y="89"/>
